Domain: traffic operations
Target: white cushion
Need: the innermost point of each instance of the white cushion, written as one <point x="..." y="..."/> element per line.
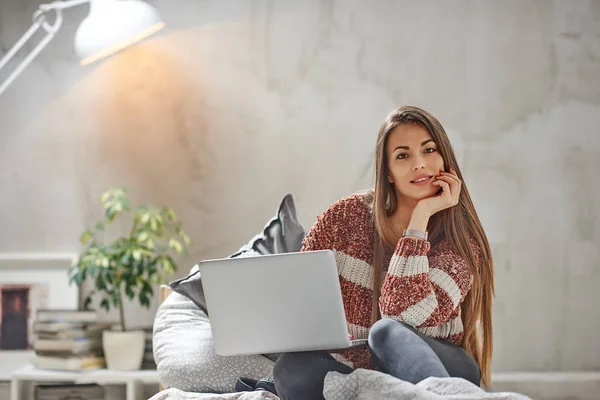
<point x="185" y="355"/>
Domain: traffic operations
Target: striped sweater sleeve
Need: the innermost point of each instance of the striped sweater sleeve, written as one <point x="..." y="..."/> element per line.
<point x="421" y="291"/>
<point x="320" y="236"/>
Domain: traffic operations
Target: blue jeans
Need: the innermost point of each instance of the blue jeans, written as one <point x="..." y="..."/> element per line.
<point x="396" y="349"/>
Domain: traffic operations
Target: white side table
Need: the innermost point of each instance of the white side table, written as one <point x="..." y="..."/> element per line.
<point x="134" y="381"/>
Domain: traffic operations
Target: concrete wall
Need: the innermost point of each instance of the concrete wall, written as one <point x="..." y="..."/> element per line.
<point x="238" y="102"/>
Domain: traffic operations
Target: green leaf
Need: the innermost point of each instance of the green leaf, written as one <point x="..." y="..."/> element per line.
<point x="75" y="276"/>
<point x="144" y="299"/>
<point x="137" y="254"/>
<point x="175" y="245"/>
<point x="87" y="302"/>
<point x="105" y="196"/>
<point x="143" y="236"/>
<point x="168" y="265"/>
<point x="86" y="236"/>
<point x="125" y="258"/>
<point x="129" y="292"/>
<point x="184" y="236"/>
<point x="105" y="304"/>
<point x="115" y="297"/>
<point x="147" y="287"/>
<point x="110" y="213"/>
<point x="171" y="214"/>
<point x="115" y="202"/>
<point x="112" y="193"/>
<point x="145" y="217"/>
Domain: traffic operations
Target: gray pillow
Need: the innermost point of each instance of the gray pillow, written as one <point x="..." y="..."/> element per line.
<point x="282" y="234"/>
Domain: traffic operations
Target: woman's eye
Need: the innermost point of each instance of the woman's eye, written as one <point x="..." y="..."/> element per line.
<point x="402" y="156"/>
<point x="430" y="150"/>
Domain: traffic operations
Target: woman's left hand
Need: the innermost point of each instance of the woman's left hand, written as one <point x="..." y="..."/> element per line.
<point x="448" y="197"/>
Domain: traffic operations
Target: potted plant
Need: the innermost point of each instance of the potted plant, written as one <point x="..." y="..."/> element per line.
<point x="131" y="265"/>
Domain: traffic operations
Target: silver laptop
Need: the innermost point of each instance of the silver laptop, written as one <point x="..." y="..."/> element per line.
<point x="275" y="304"/>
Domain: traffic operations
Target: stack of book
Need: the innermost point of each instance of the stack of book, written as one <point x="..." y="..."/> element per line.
<point x="148" y="361"/>
<point x="59" y="391"/>
<point x="68" y="340"/>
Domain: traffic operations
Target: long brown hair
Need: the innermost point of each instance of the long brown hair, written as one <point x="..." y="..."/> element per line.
<point x="456" y="224"/>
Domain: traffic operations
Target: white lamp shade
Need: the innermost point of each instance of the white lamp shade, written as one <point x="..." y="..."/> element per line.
<point x="113" y="25"/>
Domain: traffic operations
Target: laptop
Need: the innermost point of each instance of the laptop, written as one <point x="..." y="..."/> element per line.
<point x="275" y="303"/>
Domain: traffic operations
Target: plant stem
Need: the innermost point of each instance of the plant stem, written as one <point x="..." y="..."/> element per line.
<point x="133" y="229"/>
<point x="121" y="309"/>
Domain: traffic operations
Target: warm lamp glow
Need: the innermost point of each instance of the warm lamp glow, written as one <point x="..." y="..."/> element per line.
<point x="122" y="44"/>
<point x="110" y="26"/>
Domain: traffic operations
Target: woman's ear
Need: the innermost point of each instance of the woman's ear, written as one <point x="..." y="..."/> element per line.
<point x="390" y="179"/>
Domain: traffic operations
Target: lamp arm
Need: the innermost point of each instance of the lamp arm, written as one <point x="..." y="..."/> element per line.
<point x="39" y="21"/>
<point x="61" y="5"/>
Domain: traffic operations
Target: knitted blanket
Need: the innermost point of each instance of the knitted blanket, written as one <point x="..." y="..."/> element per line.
<point x="363" y="384"/>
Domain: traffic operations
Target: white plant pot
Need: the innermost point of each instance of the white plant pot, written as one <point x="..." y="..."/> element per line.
<point x="124" y="351"/>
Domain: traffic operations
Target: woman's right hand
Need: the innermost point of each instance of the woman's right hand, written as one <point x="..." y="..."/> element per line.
<point x="448" y="197"/>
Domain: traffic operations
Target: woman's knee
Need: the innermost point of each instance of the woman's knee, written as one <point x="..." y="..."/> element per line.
<point x="291" y="377"/>
<point x="384" y="329"/>
<point x="293" y="365"/>
<point x="297" y="363"/>
<point x="287" y="363"/>
<point x="301" y="375"/>
<point x="472" y="371"/>
<point x="398" y="350"/>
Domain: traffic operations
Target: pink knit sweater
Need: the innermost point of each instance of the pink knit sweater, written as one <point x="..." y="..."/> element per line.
<point x="423" y="287"/>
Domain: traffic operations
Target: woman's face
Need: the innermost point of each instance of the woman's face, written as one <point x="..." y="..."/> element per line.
<point x="413" y="162"/>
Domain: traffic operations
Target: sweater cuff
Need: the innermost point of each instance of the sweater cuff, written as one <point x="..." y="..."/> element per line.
<point x="408" y="246"/>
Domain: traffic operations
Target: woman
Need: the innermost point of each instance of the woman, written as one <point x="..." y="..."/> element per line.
<point x="415" y="267"/>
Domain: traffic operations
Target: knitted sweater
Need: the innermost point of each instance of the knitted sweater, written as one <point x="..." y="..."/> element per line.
<point x="422" y="286"/>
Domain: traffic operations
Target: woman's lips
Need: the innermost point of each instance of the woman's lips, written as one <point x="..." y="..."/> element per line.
<point x="422" y="182"/>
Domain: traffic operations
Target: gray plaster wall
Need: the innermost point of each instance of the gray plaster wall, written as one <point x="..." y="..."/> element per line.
<point x="238" y="102"/>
